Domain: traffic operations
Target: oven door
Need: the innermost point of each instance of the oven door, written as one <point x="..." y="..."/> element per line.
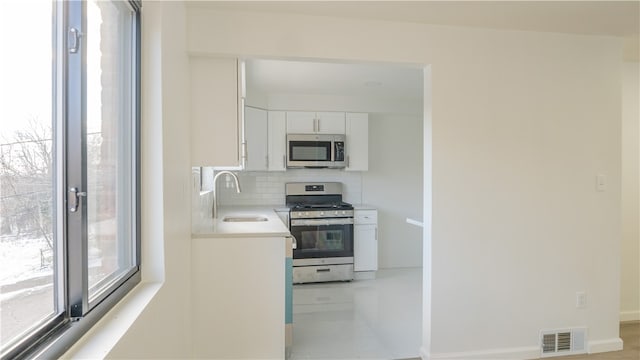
<point x="322" y="238"/>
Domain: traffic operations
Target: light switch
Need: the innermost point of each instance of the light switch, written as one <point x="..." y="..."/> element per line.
<point x="601" y="182"/>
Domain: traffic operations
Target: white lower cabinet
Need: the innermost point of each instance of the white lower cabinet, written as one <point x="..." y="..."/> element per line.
<point x="365" y="241"/>
<point x="238" y="297"/>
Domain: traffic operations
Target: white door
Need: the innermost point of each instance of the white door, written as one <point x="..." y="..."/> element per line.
<point x="256" y="138"/>
<point x="277" y="141"/>
<point x="214" y="112"/>
<point x="330" y="122"/>
<point x="357" y="147"/>
<point x="365" y="248"/>
<point x="301" y="122"/>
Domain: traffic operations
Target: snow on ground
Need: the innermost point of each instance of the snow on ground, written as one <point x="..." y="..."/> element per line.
<point x="20" y="259"/>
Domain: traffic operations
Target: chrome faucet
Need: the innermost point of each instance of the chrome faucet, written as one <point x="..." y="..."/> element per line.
<point x="215" y="186"/>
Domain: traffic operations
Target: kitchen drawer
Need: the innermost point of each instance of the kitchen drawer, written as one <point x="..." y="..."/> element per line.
<point x="365" y="217"/>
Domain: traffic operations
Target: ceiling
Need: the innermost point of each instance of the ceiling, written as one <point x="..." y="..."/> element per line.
<point x="606" y="18"/>
<point x="321" y="78"/>
<point x="612" y="18"/>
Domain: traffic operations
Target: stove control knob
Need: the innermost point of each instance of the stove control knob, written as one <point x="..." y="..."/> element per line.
<point x="343" y="212"/>
<point x="336" y="213"/>
<point x="306" y="213"/>
<point x="321" y="213"/>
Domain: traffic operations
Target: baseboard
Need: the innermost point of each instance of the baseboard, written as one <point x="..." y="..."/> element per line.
<point x="630" y="315"/>
<point x="529" y="352"/>
<point x="423" y="354"/>
<point x="605" y="345"/>
<point x="364" y="275"/>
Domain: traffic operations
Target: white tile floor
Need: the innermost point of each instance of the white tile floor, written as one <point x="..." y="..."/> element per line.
<point x="362" y="319"/>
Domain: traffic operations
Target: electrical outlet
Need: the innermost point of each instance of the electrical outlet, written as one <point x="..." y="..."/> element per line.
<point x="581" y="300"/>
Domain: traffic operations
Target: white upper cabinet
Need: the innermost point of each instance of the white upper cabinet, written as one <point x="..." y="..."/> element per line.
<point x="301" y="122"/>
<point x="330" y="122"/>
<point x="277" y="141"/>
<point x="357" y="147"/>
<point x="304" y="122"/>
<point x="216" y="103"/>
<point x="256" y="125"/>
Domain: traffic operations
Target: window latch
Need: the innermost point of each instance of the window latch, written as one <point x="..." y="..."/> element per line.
<point x="74" y="40"/>
<point x="74" y="198"/>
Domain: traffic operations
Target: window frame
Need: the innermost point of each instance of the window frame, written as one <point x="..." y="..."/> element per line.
<point x="73" y="313"/>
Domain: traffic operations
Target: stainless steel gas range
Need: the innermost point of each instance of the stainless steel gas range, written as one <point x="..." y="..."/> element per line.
<point x="323" y="226"/>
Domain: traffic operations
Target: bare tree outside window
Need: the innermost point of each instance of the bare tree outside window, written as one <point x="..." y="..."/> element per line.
<point x="26" y="171"/>
<point x="26" y="231"/>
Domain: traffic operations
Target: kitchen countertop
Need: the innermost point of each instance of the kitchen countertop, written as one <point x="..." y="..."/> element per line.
<point x="216" y="228"/>
<point x="364" y="207"/>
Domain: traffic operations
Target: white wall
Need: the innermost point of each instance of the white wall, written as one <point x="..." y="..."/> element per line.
<point x="394" y="185"/>
<point x="630" y="276"/>
<point x="521" y="123"/>
<point x="163" y="329"/>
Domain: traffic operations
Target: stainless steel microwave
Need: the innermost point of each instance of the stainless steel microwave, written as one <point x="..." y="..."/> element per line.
<point x="315" y="151"/>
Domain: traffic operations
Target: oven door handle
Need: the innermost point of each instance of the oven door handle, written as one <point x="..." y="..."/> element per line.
<point x="320" y="222"/>
<point x="294" y="242"/>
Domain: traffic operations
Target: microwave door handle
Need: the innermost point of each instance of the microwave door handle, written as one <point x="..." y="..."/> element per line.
<point x="333" y="151"/>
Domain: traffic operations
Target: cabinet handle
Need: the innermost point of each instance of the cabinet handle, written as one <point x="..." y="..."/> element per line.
<point x="284" y="161"/>
<point x="348" y="160"/>
<point x="245" y="150"/>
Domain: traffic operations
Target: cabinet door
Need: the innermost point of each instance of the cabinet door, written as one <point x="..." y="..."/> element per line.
<point x="226" y="323"/>
<point x="215" y="122"/>
<point x="357" y="149"/>
<point x="365" y="247"/>
<point x="330" y="122"/>
<point x="301" y="122"/>
<point x="277" y="141"/>
<point x="255" y="133"/>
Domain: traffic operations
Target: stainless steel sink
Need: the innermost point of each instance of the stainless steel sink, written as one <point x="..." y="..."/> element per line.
<point x="241" y="218"/>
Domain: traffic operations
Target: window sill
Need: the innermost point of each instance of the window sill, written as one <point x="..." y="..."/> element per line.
<point x="103" y="336"/>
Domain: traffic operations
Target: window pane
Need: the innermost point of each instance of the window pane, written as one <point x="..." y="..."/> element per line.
<point x="27" y="241"/>
<point x="110" y="123"/>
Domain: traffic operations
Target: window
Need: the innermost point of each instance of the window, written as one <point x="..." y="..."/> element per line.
<point x="69" y="169"/>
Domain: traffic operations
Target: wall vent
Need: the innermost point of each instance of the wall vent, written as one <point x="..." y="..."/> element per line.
<point x="563" y="342"/>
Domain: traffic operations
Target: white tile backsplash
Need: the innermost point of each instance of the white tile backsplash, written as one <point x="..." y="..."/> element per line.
<point x="267" y="188"/>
